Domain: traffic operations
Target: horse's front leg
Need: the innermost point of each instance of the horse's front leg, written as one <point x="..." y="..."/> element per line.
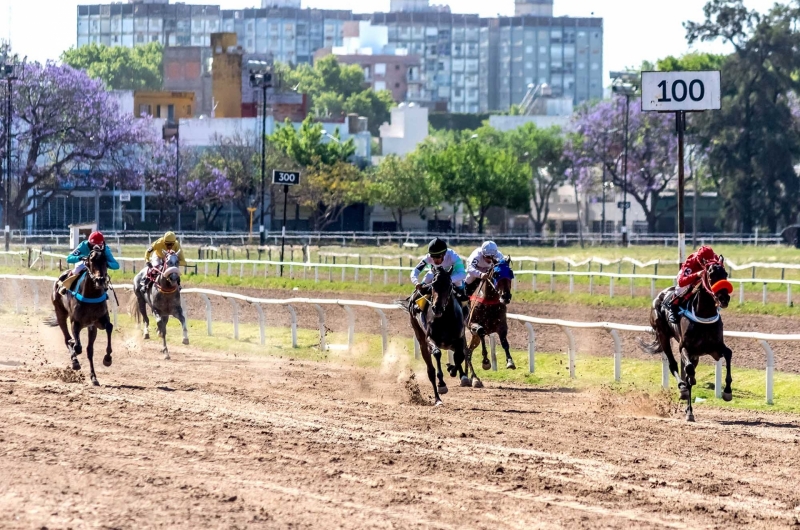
<point x="162" y="331"/>
<point x="460" y="358"/>
<point x="437" y="354"/>
<point x="687" y="370"/>
<point x="426" y="356"/>
<point x="77" y="347"/>
<point x="503" y="334"/>
<point x="92" y="331"/>
<point x="142" y="303"/>
<point x="182" y="319"/>
<point x="727" y="393"/>
<point x="473" y="343"/>
<point x="109" y="328"/>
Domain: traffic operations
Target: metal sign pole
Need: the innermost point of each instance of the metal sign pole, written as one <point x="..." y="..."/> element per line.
<point x="680" y="121"/>
<point x="283" y="230"/>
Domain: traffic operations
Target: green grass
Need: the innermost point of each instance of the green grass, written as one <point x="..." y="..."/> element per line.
<point x="552" y="370"/>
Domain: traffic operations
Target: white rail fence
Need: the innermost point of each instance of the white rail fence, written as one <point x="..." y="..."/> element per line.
<point x="319" y="304"/>
<point x="400" y="275"/>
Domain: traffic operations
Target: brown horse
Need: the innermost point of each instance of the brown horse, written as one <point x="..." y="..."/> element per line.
<point x="487" y="315"/>
<point x="698" y="331"/>
<point x="86" y="307"/>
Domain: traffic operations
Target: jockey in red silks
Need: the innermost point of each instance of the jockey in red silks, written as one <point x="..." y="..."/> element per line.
<point x="689" y="276"/>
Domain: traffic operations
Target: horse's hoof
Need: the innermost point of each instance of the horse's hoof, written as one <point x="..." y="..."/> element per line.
<point x="727" y="396"/>
<point x="76" y="365"/>
<point x="438" y="403"/>
<point x="510" y="365"/>
<point x="690" y="417"/>
<point x="465" y="381"/>
<point x="477" y="383"/>
<point x="95" y="382"/>
<point x="486" y="364"/>
<point x="451" y="370"/>
<point x="107" y="361"/>
<point x="443" y="389"/>
<point x="146" y="336"/>
<point x="185" y="342"/>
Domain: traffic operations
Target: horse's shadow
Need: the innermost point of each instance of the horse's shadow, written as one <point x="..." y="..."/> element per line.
<point x="758" y="423"/>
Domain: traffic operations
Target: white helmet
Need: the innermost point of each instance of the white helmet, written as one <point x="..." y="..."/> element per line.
<point x="489" y="249"/>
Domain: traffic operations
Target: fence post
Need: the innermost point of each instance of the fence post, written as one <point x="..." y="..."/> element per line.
<point x="293" y="315"/>
<point x="611" y="288"/>
<point x="208" y="313"/>
<point x="235" y="307"/>
<point x="789" y="294"/>
<point x="552" y="283"/>
<point x="321" y="314"/>
<point x="764" y="294"/>
<point x="417" y="354"/>
<point x="241" y="270"/>
<point x="261" y="324"/>
<point x="770" y="368"/>
<point x="531" y="348"/>
<point x="571" y="284"/>
<point x="385" y="277"/>
<point x="17" y="298"/>
<point x="741" y="292"/>
<point x="571" y="350"/>
<point x="617" y="355"/>
<point x="632" y="289"/>
<point x="493" y="347"/>
<point x="384" y="330"/>
<point x="591" y="285"/>
<point x="230" y="268"/>
<point x="718" y="379"/>
<point x="351" y="326"/>
<point x="652" y="287"/>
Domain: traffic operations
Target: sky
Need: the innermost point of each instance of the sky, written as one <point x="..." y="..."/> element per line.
<point x="635" y="30"/>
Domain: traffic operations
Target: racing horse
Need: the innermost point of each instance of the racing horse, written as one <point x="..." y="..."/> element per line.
<point x="440" y="326"/>
<point x="698" y="331"/>
<point x="163" y="297"/>
<point x="85" y="306"/>
<point x="488" y="315"/>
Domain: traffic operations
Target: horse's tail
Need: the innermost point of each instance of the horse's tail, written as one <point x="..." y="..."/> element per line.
<point x="652" y="347"/>
<point x="51" y="320"/>
<point x="404" y="303"/>
<point x="133" y="309"/>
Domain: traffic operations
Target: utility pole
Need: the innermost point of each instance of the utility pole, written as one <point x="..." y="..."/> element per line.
<point x="261" y="76"/>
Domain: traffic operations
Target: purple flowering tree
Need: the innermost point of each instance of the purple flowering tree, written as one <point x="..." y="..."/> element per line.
<point x="155" y="161"/>
<point x="208" y="190"/>
<point x="652" y="151"/>
<point x="64" y="121"/>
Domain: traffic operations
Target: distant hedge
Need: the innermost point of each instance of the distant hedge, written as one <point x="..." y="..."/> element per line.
<point x="456" y="122"/>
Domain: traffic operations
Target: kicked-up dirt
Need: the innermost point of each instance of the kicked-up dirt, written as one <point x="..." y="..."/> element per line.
<point x="210" y="440"/>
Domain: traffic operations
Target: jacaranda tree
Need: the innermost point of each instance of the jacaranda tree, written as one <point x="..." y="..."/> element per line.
<point x="64" y="121"/>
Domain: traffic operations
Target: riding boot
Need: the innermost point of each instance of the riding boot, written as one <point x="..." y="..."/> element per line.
<point x="471" y="288"/>
<point x="461" y="294"/>
<point x="671" y="306"/>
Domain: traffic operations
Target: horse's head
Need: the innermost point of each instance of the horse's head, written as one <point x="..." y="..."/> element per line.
<point x="171" y="271"/>
<point x="718" y="285"/>
<point x="442" y="290"/>
<point x="502" y="279"/>
<point x="97" y="264"/>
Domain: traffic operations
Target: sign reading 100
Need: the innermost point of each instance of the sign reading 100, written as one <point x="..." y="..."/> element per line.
<point x="676" y="91"/>
<point x="287" y="178"/>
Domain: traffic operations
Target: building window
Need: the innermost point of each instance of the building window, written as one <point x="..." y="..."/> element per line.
<point x="380" y="85"/>
<point x="397" y="67"/>
<point x="380" y="69"/>
<point x="397" y="85"/>
<point x="595" y="66"/>
<point x="145" y="110"/>
<point x="367" y="73"/>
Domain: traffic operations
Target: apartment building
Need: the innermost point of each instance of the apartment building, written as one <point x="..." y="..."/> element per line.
<point x="467" y="63"/>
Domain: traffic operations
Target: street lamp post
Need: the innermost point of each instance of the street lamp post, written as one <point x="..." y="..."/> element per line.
<point x="171" y="129"/>
<point x="8" y="71"/>
<point x="626" y="84"/>
<point x="261" y="76"/>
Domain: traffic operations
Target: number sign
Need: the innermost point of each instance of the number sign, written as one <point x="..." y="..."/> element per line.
<point x="674" y="91"/>
<point x="287" y="178"/>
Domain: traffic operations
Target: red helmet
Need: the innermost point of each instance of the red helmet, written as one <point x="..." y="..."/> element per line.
<point x="96" y="238"/>
<point x="706" y="254"/>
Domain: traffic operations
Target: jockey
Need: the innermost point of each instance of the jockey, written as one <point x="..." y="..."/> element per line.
<point x="480" y="263"/>
<point x="159" y="249"/>
<point x="83" y="250"/>
<point x="689" y="276"/>
<point x="440" y="256"/>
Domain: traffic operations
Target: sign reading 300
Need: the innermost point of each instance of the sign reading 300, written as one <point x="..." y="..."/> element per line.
<point x="676" y="91"/>
<point x="287" y="178"/>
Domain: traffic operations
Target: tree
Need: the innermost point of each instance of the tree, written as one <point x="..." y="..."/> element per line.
<point x="652" y="150"/>
<point x="400" y="185"/>
<point x="478" y="175"/>
<point x="64" y="121"/>
<point x="336" y="89"/>
<point x="120" y="68"/>
<point x="208" y="190"/>
<point x="753" y="142"/>
<point x="157" y="164"/>
<point x="330" y="183"/>
<point x="542" y="153"/>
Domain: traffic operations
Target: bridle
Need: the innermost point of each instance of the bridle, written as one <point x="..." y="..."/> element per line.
<point x="439" y="270"/>
<point x="705" y="281"/>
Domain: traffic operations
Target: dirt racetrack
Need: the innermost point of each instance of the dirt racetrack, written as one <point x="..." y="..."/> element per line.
<point x="212" y="440"/>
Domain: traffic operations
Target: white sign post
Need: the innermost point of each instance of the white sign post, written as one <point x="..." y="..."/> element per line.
<point x="287" y="178"/>
<point x="681" y="92"/>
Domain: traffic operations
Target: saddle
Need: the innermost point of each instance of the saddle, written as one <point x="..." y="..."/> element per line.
<point x="66" y="284"/>
<point x="77" y="279"/>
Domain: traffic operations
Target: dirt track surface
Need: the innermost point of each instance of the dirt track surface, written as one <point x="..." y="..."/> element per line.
<point x="210" y="440"/>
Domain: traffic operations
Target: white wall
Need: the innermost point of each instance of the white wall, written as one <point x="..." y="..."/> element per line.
<point x="509" y="123"/>
<point x="408" y="128"/>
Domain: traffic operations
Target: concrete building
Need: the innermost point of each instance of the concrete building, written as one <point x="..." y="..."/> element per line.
<point x="533" y="8"/>
<point x="142" y="21"/>
<point x="407" y="129"/>
<point x="166" y="105"/>
<point x="385" y="67"/>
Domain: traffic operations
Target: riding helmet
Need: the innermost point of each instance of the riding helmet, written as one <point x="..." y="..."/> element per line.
<point x="706" y="253"/>
<point x="96" y="238"/>
<point x="437" y="248"/>
<point x="170" y="237"/>
<point x="489" y="249"/>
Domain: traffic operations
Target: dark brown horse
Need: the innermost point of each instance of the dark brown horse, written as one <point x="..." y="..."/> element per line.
<point x="487" y="315"/>
<point x="86" y="307"/>
<point x="698" y="331"/>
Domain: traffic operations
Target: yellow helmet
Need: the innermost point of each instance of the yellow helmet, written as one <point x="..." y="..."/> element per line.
<point x="170" y="237"/>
